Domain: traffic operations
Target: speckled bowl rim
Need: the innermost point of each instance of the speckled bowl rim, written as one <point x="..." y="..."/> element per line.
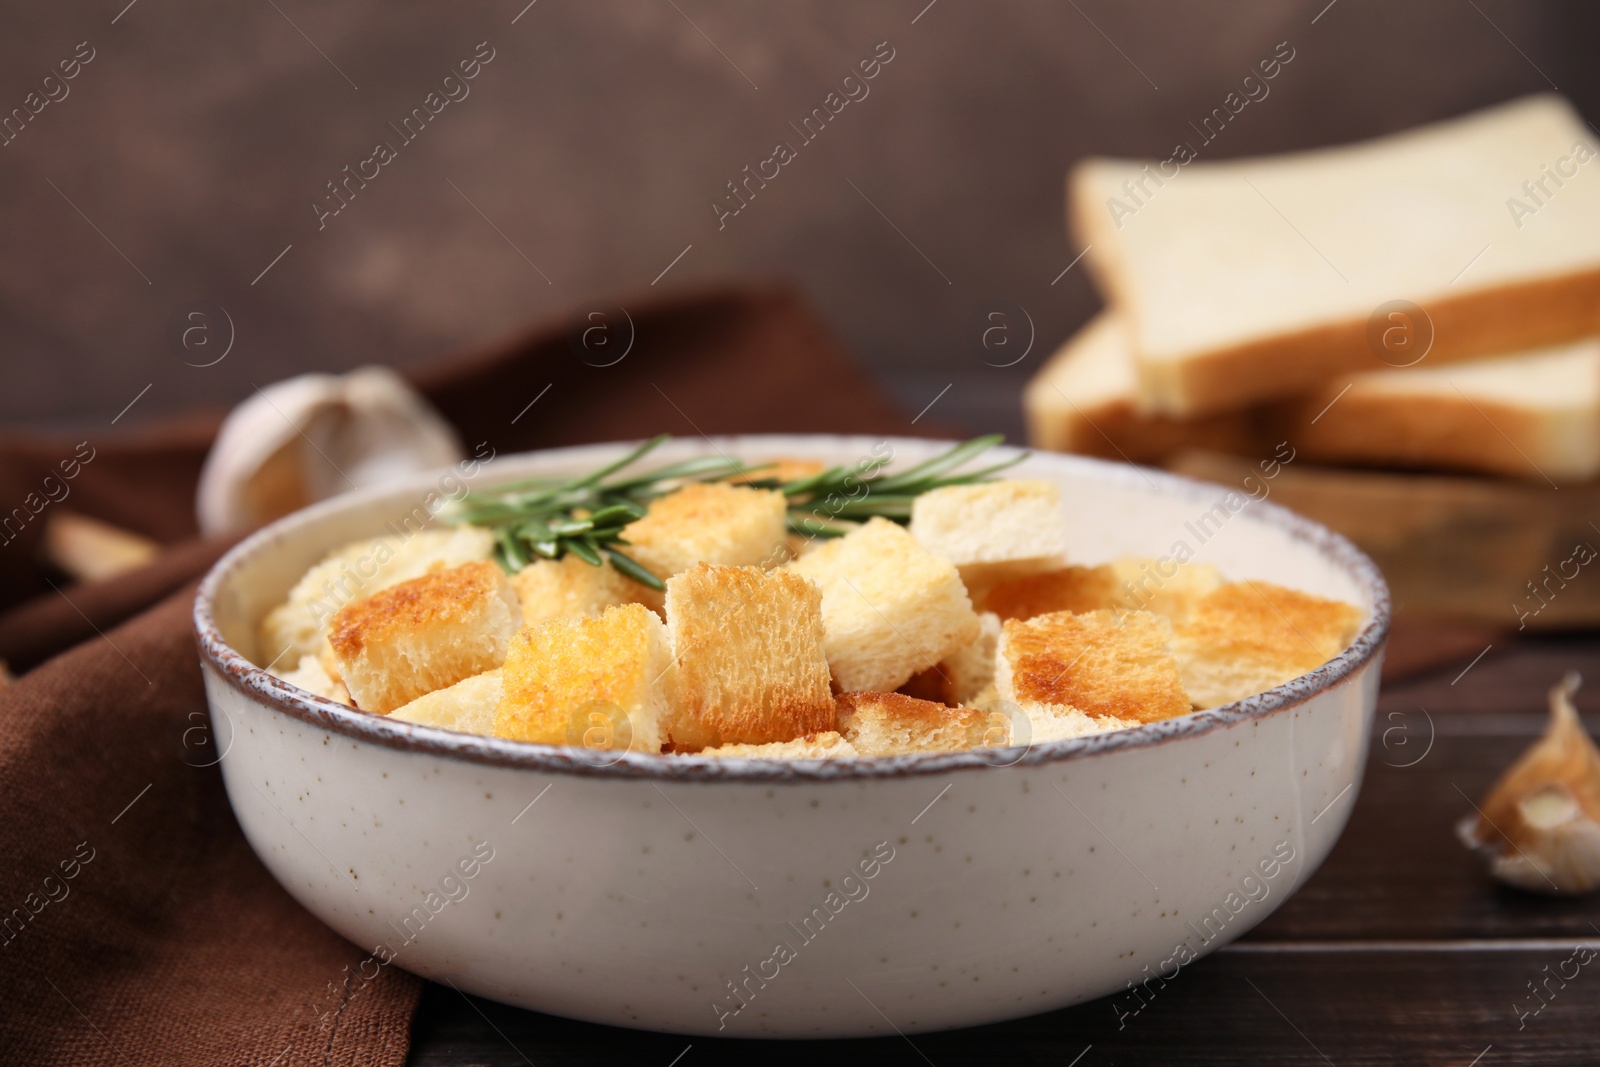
<point x="256" y="684"/>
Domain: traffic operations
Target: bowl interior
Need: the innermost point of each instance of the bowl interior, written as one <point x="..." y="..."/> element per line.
<point x="1110" y="510"/>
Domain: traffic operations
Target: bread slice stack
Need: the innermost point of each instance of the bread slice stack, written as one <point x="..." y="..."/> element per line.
<point x="1428" y="299"/>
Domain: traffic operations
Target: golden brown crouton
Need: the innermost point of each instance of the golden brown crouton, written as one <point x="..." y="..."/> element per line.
<point x="1115" y="670"/>
<point x="1163" y="586"/>
<point x="783" y="470"/>
<point x="603" y="682"/>
<point x="992" y="530"/>
<point x="310" y="675"/>
<point x="468" y="706"/>
<point x="890" y="607"/>
<point x="964" y="673"/>
<point x="709" y="522"/>
<point x="1247" y="637"/>
<point x="558" y="588"/>
<point x="751" y="665"/>
<point x="1071" y="588"/>
<point x="423" y="634"/>
<point x="1132" y="583"/>
<point x="892" y="724"/>
<point x="825" y="745"/>
<point x="298" y="626"/>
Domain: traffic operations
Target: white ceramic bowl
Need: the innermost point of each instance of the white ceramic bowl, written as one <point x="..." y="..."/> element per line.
<point x="812" y="899"/>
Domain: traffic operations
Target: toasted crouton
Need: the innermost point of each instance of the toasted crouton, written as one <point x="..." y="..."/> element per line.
<point x="890" y="607"/>
<point x="1246" y="637"/>
<point x="708" y="522"/>
<point x="423" y="634"/>
<point x="310" y="675"/>
<point x="557" y="588"/>
<point x="1132" y="583"/>
<point x="1084" y="673"/>
<point x="298" y="626"/>
<point x="893" y="724"/>
<point x="1163" y="586"/>
<point x="468" y="706"/>
<point x="992" y="530"/>
<point x="604" y="683"/>
<point x="964" y="673"/>
<point x="825" y="745"/>
<point x="1070" y="588"/>
<point x="787" y="469"/>
<point x="751" y="662"/>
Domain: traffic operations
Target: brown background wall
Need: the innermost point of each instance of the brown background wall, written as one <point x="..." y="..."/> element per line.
<point x="199" y="135"/>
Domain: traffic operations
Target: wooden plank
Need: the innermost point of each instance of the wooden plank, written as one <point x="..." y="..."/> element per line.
<point x="1452" y="547"/>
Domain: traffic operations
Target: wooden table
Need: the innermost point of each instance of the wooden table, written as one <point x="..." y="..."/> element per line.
<point x="1399" y="950"/>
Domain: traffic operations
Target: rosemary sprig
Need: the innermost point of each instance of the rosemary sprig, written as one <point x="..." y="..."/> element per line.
<point x="586" y="514"/>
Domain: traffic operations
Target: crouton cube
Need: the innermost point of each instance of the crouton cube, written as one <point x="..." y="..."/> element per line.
<point x="1101" y="670"/>
<point x="1247" y="637"/>
<point x="992" y="530"/>
<point x="298" y="627"/>
<point x="558" y="588"/>
<point x="826" y="745"/>
<point x="603" y="683"/>
<point x="1070" y="588"/>
<point x="964" y="673"/>
<point x="310" y="675"/>
<point x="786" y="469"/>
<point x="890" y="607"/>
<point x="751" y="662"/>
<point x="423" y="634"/>
<point x="1132" y="583"/>
<point x="1163" y="586"/>
<point x="709" y="522"/>
<point x="892" y="724"/>
<point x="469" y="706"/>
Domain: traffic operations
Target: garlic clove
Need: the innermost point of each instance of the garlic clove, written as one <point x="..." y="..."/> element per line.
<point x="1539" y="825"/>
<point x="313" y="437"/>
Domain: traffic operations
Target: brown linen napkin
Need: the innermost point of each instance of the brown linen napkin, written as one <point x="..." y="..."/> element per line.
<point x="138" y="927"/>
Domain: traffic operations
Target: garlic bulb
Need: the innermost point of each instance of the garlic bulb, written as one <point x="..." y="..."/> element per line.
<point x="309" y="438"/>
<point x="1540" y="823"/>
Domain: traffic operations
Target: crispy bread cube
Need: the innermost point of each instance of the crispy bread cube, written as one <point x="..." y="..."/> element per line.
<point x="964" y="673"/>
<point x="893" y="724"/>
<point x="992" y="530"/>
<point x="1085" y="673"/>
<point x="298" y="626"/>
<point x="890" y="607"/>
<point x="1070" y="588"/>
<point x="825" y="745"/>
<point x="558" y="588"/>
<point x="786" y="469"/>
<point x="468" y="706"/>
<point x="751" y="662"/>
<point x="1247" y="637"/>
<point x="1132" y="583"/>
<point x="709" y="522"/>
<point x="423" y="634"/>
<point x="310" y="676"/>
<point x="1165" y="587"/>
<point x="605" y="682"/>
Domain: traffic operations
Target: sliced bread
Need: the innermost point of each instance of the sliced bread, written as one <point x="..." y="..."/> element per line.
<point x="1254" y="279"/>
<point x="1533" y="414"/>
